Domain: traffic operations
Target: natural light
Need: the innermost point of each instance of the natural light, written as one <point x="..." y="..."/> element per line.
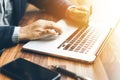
<point x="106" y="11"/>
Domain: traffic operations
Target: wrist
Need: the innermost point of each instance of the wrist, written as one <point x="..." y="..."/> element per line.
<point x="23" y="36"/>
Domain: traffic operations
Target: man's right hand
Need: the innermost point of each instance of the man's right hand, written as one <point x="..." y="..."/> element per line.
<point x="38" y="30"/>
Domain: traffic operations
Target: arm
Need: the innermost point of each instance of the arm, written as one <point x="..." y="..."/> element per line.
<point x="11" y="35"/>
<point x="76" y="13"/>
<point x="24" y="33"/>
<point x="55" y="7"/>
<point x="6" y="36"/>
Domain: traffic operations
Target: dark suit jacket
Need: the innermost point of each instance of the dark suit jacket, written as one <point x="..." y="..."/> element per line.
<point x="55" y="7"/>
<point x="6" y="32"/>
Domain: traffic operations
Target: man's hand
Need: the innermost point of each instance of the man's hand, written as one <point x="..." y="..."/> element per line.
<point x="39" y="30"/>
<point x="78" y="14"/>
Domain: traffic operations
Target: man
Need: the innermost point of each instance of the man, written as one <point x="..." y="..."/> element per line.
<point x="11" y="11"/>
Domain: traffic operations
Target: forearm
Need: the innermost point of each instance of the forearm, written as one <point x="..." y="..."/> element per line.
<point x="55" y="7"/>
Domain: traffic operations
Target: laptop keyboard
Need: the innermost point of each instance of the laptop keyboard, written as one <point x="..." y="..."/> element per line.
<point x="82" y="40"/>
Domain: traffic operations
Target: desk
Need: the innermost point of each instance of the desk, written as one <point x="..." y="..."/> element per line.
<point x="105" y="67"/>
<point x="95" y="71"/>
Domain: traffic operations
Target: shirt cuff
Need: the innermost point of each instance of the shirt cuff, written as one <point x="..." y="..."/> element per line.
<point x="15" y="35"/>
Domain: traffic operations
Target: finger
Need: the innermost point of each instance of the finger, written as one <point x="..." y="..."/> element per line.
<point x="80" y="13"/>
<point x="50" y="32"/>
<point x="42" y="34"/>
<point x="55" y="28"/>
<point x="83" y="8"/>
<point x="42" y="31"/>
<point x="50" y="25"/>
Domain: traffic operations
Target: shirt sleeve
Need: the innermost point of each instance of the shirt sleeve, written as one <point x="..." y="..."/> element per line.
<point x="15" y="35"/>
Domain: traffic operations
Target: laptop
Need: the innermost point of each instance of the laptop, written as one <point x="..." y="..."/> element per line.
<point x="75" y="43"/>
<point x="78" y="44"/>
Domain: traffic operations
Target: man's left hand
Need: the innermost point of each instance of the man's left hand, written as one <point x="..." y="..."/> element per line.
<point x="78" y="15"/>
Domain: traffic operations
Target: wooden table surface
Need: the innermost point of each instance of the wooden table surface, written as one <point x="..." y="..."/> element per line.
<point x="105" y="67"/>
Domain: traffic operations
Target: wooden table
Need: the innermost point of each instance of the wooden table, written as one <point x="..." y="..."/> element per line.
<point x="105" y="67"/>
